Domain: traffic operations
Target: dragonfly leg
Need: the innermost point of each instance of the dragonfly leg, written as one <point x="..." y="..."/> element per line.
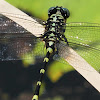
<point x="65" y="39"/>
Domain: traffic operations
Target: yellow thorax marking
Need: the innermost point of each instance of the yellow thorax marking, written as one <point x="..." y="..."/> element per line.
<point x="52" y="34"/>
<point x="52" y="29"/>
<point x="53" y="24"/>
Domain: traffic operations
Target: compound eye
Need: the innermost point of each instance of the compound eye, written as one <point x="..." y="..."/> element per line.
<point x="51" y="11"/>
<point x="65" y="12"/>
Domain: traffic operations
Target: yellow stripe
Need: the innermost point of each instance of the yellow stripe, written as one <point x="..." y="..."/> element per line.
<point x="52" y="29"/>
<point x="39" y="83"/>
<point x="52" y="39"/>
<point x="50" y="43"/>
<point x="50" y="50"/>
<point x="42" y="71"/>
<point x="35" y="97"/>
<point x="53" y="24"/>
<point x="46" y="59"/>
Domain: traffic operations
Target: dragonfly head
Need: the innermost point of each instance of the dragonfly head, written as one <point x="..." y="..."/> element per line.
<point x="63" y="11"/>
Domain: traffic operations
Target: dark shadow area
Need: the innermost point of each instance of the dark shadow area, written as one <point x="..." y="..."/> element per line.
<point x="18" y="83"/>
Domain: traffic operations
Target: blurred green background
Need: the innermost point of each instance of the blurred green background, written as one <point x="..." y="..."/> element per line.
<point x="80" y="11"/>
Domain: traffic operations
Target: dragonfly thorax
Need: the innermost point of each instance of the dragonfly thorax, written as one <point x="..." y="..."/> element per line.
<point x="54" y="27"/>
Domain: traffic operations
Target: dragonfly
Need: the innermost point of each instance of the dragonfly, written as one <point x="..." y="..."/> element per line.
<point x="16" y="42"/>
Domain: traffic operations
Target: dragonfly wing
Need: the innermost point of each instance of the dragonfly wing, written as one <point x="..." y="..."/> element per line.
<point x="64" y="52"/>
<point x="83" y="33"/>
<point x="15" y="41"/>
<point x="36" y="24"/>
<point x="84" y="38"/>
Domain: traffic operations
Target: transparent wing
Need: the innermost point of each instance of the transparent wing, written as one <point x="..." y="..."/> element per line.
<point x="84" y="38"/>
<point x="37" y="24"/>
<point x="15" y="41"/>
<point x="87" y="34"/>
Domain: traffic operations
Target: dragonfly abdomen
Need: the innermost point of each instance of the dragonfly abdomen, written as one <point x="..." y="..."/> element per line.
<point x="54" y="29"/>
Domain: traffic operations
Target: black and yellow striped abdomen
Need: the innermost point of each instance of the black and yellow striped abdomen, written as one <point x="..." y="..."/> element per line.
<point x="50" y="50"/>
<point x="54" y="29"/>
